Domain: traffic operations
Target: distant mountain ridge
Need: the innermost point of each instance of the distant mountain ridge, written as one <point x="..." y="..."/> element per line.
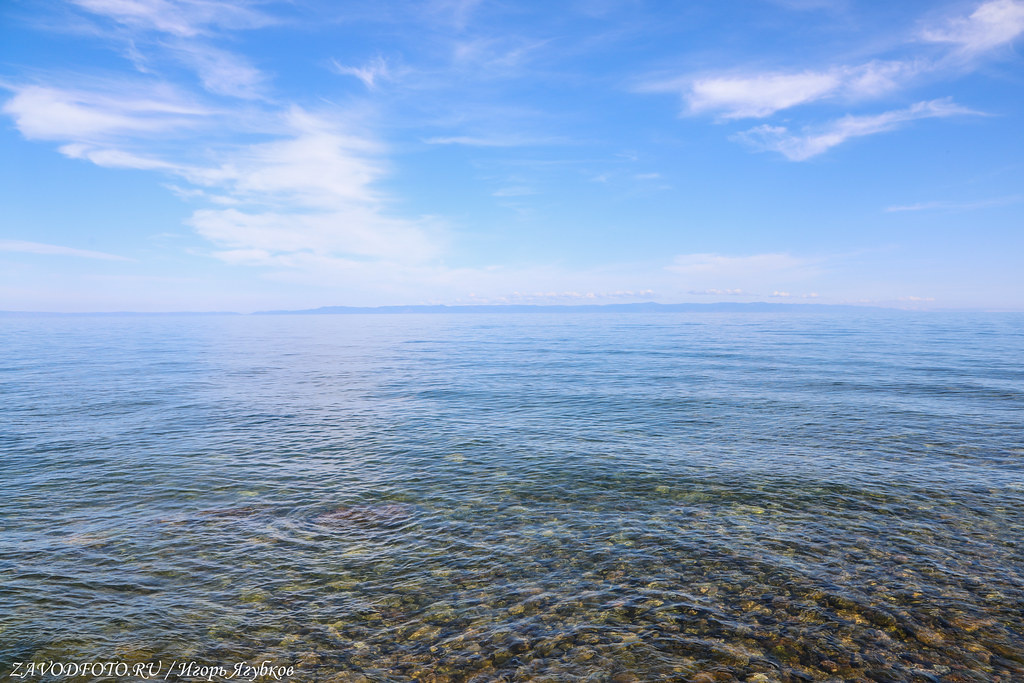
<point x="645" y="307"/>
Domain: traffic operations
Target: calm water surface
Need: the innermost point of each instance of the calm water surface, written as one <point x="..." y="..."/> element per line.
<point x="691" y="497"/>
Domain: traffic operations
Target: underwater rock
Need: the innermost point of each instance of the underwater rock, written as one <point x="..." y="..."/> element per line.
<point x="247" y="511"/>
<point x="390" y="514"/>
<point x="929" y="637"/>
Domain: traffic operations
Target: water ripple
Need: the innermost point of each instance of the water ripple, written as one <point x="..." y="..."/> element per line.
<point x="616" y="498"/>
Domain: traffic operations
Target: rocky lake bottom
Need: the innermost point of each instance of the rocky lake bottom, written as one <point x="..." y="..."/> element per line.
<point x="678" y="497"/>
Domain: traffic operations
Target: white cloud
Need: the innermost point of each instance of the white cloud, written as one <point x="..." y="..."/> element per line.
<point x="991" y="25"/>
<point x="56" y="250"/>
<point x="221" y="72"/>
<point x="957" y="206"/>
<point x="758" y="95"/>
<point x="879" y="77"/>
<point x="761" y="94"/>
<point x="489" y="57"/>
<point x="455" y="12"/>
<point x="115" y="158"/>
<point x="799" y="147"/>
<point x="514" y="191"/>
<point x="50" y="113"/>
<point x="490" y="141"/>
<point x="319" y="164"/>
<point x="376" y="281"/>
<point x="183" y="18"/>
<point x="316" y="193"/>
<point x="312" y="189"/>
<point x="189" y="26"/>
<point x="370" y="73"/>
<point x="565" y="297"/>
<point x="702" y="274"/>
<point x="719" y="265"/>
<point x="719" y="292"/>
<point x="807" y="5"/>
<point x="346" y="231"/>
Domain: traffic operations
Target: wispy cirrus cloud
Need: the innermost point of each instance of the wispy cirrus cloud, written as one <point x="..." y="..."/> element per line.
<point x="183" y="18"/>
<point x="275" y="238"/>
<point x="514" y="191"/>
<point x="310" y="189"/>
<point x="815" y="141"/>
<point x="957" y="206"/>
<point x="371" y="73"/>
<point x="116" y="158"/>
<point x="563" y="297"/>
<point x="719" y="292"/>
<point x="720" y="264"/>
<point x="306" y="198"/>
<point x="761" y="94"/>
<point x="24" y="247"/>
<point x="183" y="31"/>
<point x="703" y="274"/>
<point x="221" y="72"/>
<point x="744" y="94"/>
<point x="491" y="141"/>
<point x="488" y="57"/>
<point x="52" y="113"/>
<point x="318" y="160"/>
<point x="991" y="25"/>
<point x="811" y="5"/>
<point x="758" y="94"/>
<point x="456" y="13"/>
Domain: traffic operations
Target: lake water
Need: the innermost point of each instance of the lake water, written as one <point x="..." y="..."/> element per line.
<point x="633" y="497"/>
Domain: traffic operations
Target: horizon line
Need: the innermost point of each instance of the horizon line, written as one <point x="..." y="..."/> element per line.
<point x="638" y="307"/>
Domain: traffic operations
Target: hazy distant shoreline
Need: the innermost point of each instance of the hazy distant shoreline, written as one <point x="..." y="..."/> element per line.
<point x="646" y="307"/>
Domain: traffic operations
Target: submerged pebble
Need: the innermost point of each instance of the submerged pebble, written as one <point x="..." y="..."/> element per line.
<point x="729" y="500"/>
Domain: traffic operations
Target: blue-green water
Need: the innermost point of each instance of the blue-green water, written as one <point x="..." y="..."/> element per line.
<point x="520" y="497"/>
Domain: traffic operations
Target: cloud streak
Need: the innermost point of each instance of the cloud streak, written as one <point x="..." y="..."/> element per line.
<point x="719" y="292"/>
<point x="221" y="72"/>
<point x="51" y="113"/>
<point x="182" y="18"/>
<point x="312" y="189"/>
<point x="719" y="264"/>
<point x="23" y="247"/>
<point x="957" y="206"/>
<point x="811" y="143"/>
<point x="491" y="141"/>
<point x="370" y="73"/>
<point x="761" y="94"/>
<point x="993" y="24"/>
<point x="183" y="30"/>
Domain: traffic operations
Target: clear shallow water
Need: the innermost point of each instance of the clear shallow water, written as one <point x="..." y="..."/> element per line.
<point x="588" y="497"/>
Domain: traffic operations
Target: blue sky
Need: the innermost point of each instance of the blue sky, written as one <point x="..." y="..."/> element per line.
<point x="193" y="155"/>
